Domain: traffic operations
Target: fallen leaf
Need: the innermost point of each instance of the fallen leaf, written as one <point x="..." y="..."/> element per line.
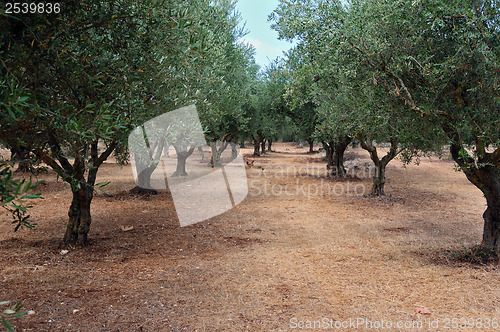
<point x="423" y="311"/>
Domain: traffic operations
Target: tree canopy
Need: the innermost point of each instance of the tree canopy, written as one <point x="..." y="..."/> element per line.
<point x="408" y="72"/>
<point x="75" y="83"/>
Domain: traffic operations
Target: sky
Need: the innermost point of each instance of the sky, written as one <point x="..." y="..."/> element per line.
<point x="261" y="36"/>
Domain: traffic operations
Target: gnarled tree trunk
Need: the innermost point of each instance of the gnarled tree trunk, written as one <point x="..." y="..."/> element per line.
<point x="256" y="148"/>
<point x="145" y="167"/>
<point x="217" y="153"/>
<point x="329" y="150"/>
<point x="263" y="147"/>
<point x="378" y="188"/>
<point x="234" y="150"/>
<point x="182" y="155"/>
<point x="338" y="168"/>
<point x="269" y="145"/>
<point x="80" y="219"/>
<point x="257" y="140"/>
<point x="144" y="177"/>
<point x="491" y="231"/>
<point x="79" y="215"/>
<point x="311" y="145"/>
<point x="485" y="175"/>
<point x="380" y="164"/>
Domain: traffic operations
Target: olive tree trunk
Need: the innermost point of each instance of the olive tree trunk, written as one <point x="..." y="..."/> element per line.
<point x="146" y="165"/>
<point x="234" y="150"/>
<point x="329" y="150"/>
<point x="217" y="153"/>
<point x="144" y="177"/>
<point x="338" y="168"/>
<point x="311" y="145"/>
<point x="491" y="231"/>
<point x="269" y="145"/>
<point x="263" y="147"/>
<point x="378" y="188"/>
<point x="256" y="148"/>
<point x="257" y="140"/>
<point x="182" y="155"/>
<point x="80" y="219"/>
<point x="335" y="151"/>
<point x="485" y="175"/>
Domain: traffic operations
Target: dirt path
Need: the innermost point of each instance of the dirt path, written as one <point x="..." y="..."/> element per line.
<point x="315" y="249"/>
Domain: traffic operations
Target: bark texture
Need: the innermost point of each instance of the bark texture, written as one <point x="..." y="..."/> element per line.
<point x="217" y="150"/>
<point x="257" y="141"/>
<point x="311" y="146"/>
<point x="340" y="146"/>
<point x="485" y="175"/>
<point x="378" y="188"/>
<point x="234" y="150"/>
<point x="182" y="155"/>
<point x="79" y="215"/>
<point x="329" y="150"/>
<point x="335" y="155"/>
<point x="146" y="165"/>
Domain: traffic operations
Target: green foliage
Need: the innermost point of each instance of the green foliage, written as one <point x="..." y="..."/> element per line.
<point x="10" y="313"/>
<point x="15" y="197"/>
<point x="475" y="254"/>
<point x="390" y="69"/>
<point x="265" y="109"/>
<point x="438" y="59"/>
<point x="74" y="84"/>
<point x="412" y="72"/>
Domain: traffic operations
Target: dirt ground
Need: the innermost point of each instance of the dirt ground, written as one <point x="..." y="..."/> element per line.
<point x="301" y="248"/>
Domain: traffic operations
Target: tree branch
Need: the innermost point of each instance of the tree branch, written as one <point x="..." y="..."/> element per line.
<point x="370" y="148"/>
<point x="105" y="154"/>
<point x="463" y="159"/>
<point x="410" y="100"/>
<point x="393" y="152"/>
<point x="160" y="146"/>
<point x="480" y="148"/>
<point x="57" y="152"/>
<point x="93" y="151"/>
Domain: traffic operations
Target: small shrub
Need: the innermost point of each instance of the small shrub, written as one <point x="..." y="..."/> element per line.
<point x="475" y="254"/>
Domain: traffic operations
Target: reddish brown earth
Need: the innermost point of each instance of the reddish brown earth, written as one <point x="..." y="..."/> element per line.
<point x="276" y="257"/>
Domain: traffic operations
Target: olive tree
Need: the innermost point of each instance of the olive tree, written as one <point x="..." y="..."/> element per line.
<point x="90" y="71"/>
<point x="441" y="59"/>
<point x="311" y="23"/>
